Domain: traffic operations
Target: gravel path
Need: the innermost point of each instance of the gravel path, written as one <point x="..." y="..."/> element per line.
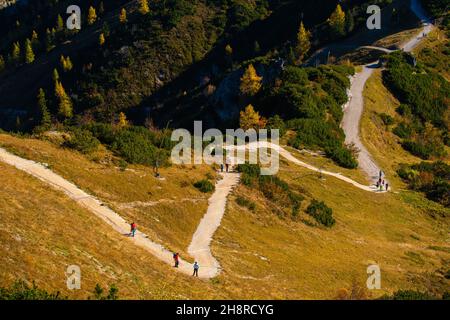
<point x="353" y="112"/>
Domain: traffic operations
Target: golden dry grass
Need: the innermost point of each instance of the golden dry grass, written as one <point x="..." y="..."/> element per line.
<point x="263" y="256"/>
<point x="43" y="232"/>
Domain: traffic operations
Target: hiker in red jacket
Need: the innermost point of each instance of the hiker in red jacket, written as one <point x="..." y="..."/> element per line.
<point x="133" y="229"/>
<point x="176" y="258"/>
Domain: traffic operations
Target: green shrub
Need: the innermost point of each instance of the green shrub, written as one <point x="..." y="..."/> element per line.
<point x="342" y="156"/>
<point x="272" y="187"/>
<point x="251" y="170"/>
<point x="137" y="147"/>
<point x="410" y="295"/>
<point x="20" y="290"/>
<point x="424" y="98"/>
<point x="244" y="202"/>
<point x="321" y="213"/>
<point x="204" y="186"/>
<point x="387" y="119"/>
<point x="430" y="178"/>
<point x="403" y="130"/>
<point x="81" y="140"/>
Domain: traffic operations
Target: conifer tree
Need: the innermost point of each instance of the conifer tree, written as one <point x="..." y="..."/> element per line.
<point x="123" y="122"/>
<point x="55" y="75"/>
<point x="92" y="15"/>
<point x="34" y="37"/>
<point x="65" y="108"/>
<point x="101" y="8"/>
<point x="29" y="54"/>
<point x="123" y="16"/>
<point x="303" y="42"/>
<point x="66" y="63"/>
<point x="2" y="63"/>
<point x="15" y="54"/>
<point x="250" y="119"/>
<point x="228" y="50"/>
<point x="44" y="114"/>
<point x="101" y="39"/>
<point x="349" y="22"/>
<point x="337" y="22"/>
<point x="143" y="7"/>
<point x="59" y="23"/>
<point x="250" y="81"/>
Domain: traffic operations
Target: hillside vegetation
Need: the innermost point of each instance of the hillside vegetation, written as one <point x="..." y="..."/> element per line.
<point x="255" y="244"/>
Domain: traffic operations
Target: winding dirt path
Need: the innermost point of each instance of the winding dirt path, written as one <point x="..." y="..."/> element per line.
<point x="352" y="114"/>
<point x="199" y="248"/>
<point x="201" y="240"/>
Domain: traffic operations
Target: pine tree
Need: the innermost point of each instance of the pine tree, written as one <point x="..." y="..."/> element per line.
<point x="65" y="108"/>
<point x="101" y="39"/>
<point x="66" y="63"/>
<point x="256" y="47"/>
<point x="337" y="22"/>
<point x="15" y="54"/>
<point x="59" y="23"/>
<point x="92" y="16"/>
<point x="34" y="37"/>
<point x="44" y="114"/>
<point x="101" y="8"/>
<point x="143" y="7"/>
<point x="29" y="54"/>
<point x="250" y="81"/>
<point x="123" y="16"/>
<point x="228" y="50"/>
<point x="49" y="37"/>
<point x="55" y="75"/>
<point x="123" y="122"/>
<point x="349" y="21"/>
<point x="69" y="64"/>
<point x="303" y="42"/>
<point x="250" y="119"/>
<point x="2" y="63"/>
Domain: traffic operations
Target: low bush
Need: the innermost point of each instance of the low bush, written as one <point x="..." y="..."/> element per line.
<point x="81" y="140"/>
<point x="244" y="202"/>
<point x="20" y="290"/>
<point x="321" y="213"/>
<point x="431" y="178"/>
<point x="387" y="119"/>
<point x="204" y="186"/>
<point x="272" y="187"/>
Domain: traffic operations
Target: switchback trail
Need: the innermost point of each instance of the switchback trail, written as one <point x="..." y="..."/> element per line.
<point x="199" y="248"/>
<point x="352" y="114"/>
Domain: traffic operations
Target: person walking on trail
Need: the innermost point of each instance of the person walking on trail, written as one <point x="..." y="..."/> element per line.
<point x="133" y="229"/>
<point x="387" y="186"/>
<point x="196" y="267"/>
<point x="176" y="258"/>
<point x="221" y="167"/>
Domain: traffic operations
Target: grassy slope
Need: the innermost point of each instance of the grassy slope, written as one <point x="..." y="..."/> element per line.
<point x="43" y="232"/>
<point x="432" y="52"/>
<point x="167" y="210"/>
<point x="262" y="255"/>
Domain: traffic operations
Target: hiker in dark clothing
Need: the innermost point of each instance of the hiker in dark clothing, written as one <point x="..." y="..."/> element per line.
<point x="221" y="167"/>
<point x="227" y="166"/>
<point x="176" y="258"/>
<point x="196" y="267"/>
<point x="133" y="229"/>
<point x="387" y="186"/>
